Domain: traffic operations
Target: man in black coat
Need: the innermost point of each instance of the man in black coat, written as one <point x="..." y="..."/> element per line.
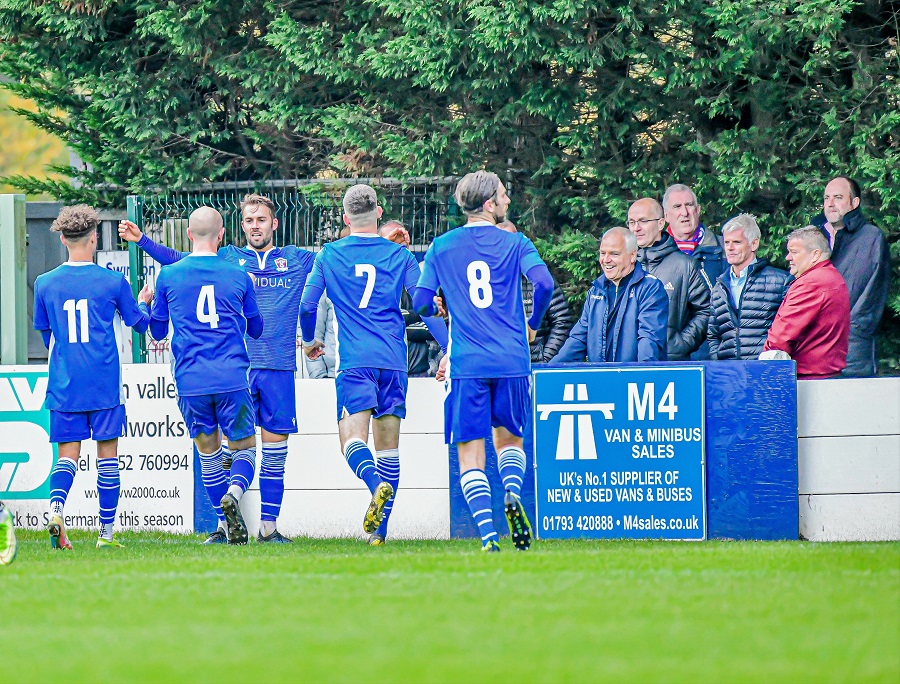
<point x="860" y="254"/>
<point x="684" y="281"/>
<point x="746" y="297"/>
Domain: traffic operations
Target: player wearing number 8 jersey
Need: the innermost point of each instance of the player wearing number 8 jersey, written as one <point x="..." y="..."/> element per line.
<point x="211" y="303"/>
<point x="75" y="307"/>
<point x="479" y="269"/>
<point x="365" y="276"/>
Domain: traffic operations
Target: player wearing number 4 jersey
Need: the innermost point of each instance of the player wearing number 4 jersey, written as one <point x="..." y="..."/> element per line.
<point x="479" y="269"/>
<point x="75" y="309"/>
<point x="365" y="276"/>
<point x="280" y="274"/>
<point x="211" y="304"/>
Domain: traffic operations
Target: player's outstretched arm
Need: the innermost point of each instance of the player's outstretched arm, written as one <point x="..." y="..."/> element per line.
<point x="423" y="302"/>
<point x="41" y="320"/>
<point x="309" y="302"/>
<point x="540" y="277"/>
<point x="255" y="326"/>
<point x="129" y="232"/>
<point x="159" y="313"/>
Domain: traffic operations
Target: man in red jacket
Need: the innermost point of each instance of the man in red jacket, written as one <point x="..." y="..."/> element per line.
<point x="813" y="322"/>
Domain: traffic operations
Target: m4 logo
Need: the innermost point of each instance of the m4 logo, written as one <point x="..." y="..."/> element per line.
<point x="26" y="454"/>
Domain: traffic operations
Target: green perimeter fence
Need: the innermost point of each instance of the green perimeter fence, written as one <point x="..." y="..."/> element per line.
<point x="308" y="212"/>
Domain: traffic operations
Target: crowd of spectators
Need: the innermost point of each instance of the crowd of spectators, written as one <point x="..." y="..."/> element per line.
<point x="670" y="288"/>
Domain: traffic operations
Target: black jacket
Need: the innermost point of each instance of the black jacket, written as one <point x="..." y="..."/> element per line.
<point x="688" y="289"/>
<point x="555" y="325"/>
<point x="737" y="330"/>
<point x="860" y="254"/>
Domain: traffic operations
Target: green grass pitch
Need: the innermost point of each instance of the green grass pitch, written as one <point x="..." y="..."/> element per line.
<point x="166" y="609"/>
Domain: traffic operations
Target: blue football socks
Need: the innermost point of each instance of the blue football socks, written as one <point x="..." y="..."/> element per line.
<point x="360" y="460"/>
<point x="477" y="492"/>
<point x="388" y="466"/>
<point x="60" y="483"/>
<point x="511" y="462"/>
<point x="271" y="479"/>
<point x="214" y="480"/>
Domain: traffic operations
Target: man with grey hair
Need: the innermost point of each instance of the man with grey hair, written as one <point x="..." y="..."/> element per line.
<point x="812" y="325"/>
<point x="682" y="213"/>
<point x="684" y="281"/>
<point x="365" y="276"/>
<point x="625" y="316"/>
<point x="746" y="297"/>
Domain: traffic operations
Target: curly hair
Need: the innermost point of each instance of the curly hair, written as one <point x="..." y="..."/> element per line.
<point x="76" y="222"/>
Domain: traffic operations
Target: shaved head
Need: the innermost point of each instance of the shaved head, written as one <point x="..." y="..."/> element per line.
<point x="648" y="204"/>
<point x="205" y="222"/>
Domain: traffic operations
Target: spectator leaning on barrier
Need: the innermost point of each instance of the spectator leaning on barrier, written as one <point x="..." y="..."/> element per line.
<point x="682" y="212"/>
<point x="685" y="282"/>
<point x="859" y="252"/>
<point x="556" y="323"/>
<point x="625" y="316"/>
<point x="746" y="297"/>
<point x="813" y="323"/>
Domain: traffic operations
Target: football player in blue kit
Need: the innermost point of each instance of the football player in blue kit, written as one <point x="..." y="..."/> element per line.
<point x="280" y="274"/>
<point x="75" y="310"/>
<point x="479" y="269"/>
<point x="365" y="276"/>
<point x="212" y="304"/>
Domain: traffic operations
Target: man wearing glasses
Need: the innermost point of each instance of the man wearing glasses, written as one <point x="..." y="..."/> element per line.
<point x="685" y="283"/>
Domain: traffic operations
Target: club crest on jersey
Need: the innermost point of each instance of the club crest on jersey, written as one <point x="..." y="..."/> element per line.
<point x="281" y="264"/>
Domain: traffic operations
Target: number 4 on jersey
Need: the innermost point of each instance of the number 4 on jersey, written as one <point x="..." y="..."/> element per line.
<point x="206" y="306"/>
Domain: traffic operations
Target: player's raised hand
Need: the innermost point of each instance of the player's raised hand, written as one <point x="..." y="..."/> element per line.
<point x="397" y="234"/>
<point x="315" y="350"/>
<point x="146" y="295"/>
<point x="442" y="368"/>
<point x="129" y="231"/>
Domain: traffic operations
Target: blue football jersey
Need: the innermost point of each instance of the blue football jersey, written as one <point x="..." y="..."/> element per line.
<point x="78" y="302"/>
<point x="365" y="276"/>
<point x="280" y="276"/>
<point x="208" y="301"/>
<point x="479" y="268"/>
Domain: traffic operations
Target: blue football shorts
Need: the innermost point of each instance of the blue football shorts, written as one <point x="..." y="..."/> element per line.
<point x="75" y="426"/>
<point x="363" y="389"/>
<point x="474" y="406"/>
<point x="233" y="412"/>
<point x="274" y="400"/>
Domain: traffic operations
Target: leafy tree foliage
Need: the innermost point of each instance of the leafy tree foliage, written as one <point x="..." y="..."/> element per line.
<point x="582" y="106"/>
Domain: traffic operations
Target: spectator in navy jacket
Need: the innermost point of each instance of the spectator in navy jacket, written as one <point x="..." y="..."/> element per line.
<point x="813" y="323"/>
<point x="860" y="254"/>
<point x="746" y="297"/>
<point x="626" y="313"/>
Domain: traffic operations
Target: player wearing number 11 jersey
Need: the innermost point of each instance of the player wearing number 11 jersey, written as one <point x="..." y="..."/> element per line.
<point x="479" y="268"/>
<point x="75" y="307"/>
<point x="211" y="303"/>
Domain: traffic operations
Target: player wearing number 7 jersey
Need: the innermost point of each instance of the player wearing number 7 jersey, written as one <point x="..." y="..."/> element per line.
<point x="365" y="276"/>
<point x="75" y="310"/>
<point x="479" y="269"/>
<point x="211" y="304"/>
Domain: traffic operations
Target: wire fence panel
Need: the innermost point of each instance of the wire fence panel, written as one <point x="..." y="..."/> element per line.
<point x="309" y="212"/>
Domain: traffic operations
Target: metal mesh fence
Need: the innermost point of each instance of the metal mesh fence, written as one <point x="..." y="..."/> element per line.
<point x="308" y="211"/>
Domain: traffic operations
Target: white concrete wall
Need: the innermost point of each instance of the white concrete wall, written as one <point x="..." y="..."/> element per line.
<point x="323" y="498"/>
<point x="849" y="459"/>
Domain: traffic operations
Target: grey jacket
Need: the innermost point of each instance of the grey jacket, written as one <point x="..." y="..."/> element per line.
<point x="688" y="289"/>
<point x="860" y="254"/>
